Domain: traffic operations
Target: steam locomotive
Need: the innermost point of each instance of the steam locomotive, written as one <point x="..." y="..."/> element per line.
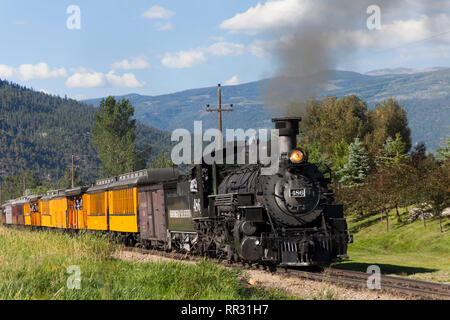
<point x="235" y="212"/>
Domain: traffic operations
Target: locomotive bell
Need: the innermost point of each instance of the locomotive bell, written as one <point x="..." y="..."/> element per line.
<point x="288" y="131"/>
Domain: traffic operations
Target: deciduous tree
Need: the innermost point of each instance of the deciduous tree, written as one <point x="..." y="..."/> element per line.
<point x="443" y="153"/>
<point x="386" y="120"/>
<point x="436" y="191"/>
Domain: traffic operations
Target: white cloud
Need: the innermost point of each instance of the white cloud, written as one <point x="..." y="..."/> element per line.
<point x="81" y="77"/>
<point x="396" y="34"/>
<point x="136" y="63"/>
<point x="92" y="79"/>
<point x="6" y="71"/>
<point x="126" y="80"/>
<point x="398" y="28"/>
<point x="232" y="81"/>
<point x="165" y="27"/>
<point x="80" y="69"/>
<point x="226" y="49"/>
<point x="40" y="71"/>
<point x="392" y="36"/>
<point x="189" y="58"/>
<point x="158" y="12"/>
<point x="183" y="59"/>
<point x="86" y="80"/>
<point x="261" y="48"/>
<point x="30" y="71"/>
<point x="268" y="16"/>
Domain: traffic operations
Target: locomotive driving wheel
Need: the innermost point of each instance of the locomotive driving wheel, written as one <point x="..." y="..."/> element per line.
<point x="212" y="238"/>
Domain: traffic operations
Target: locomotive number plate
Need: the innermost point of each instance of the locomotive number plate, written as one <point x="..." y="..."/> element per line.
<point x="179" y="214"/>
<point x="297" y="193"/>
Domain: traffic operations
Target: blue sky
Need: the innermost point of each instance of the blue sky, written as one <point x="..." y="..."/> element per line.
<point x="157" y="47"/>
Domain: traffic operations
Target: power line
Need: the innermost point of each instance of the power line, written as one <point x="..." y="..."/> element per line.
<point x="437" y="35"/>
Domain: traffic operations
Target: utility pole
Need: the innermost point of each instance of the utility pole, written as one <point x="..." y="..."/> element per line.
<point x="72" y="172"/>
<point x="219" y="110"/>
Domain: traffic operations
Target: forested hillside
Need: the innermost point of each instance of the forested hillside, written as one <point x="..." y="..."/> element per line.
<point x="40" y="132"/>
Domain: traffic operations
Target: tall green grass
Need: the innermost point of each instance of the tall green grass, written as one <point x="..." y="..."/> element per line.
<point x="408" y="249"/>
<point x="33" y="265"/>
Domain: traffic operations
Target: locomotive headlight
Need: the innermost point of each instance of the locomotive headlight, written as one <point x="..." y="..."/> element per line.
<point x="297" y="156"/>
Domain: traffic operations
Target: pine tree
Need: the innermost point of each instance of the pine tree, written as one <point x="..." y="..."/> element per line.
<point x="66" y="180"/>
<point x="16" y="186"/>
<point x="357" y="167"/>
<point x="113" y="136"/>
<point x="161" y="161"/>
<point x="340" y="155"/>
<point x="419" y="152"/>
<point x="393" y="151"/>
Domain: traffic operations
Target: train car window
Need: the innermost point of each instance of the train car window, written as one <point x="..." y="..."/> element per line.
<point x="123" y="201"/>
<point x="97" y="203"/>
<point x="77" y="203"/>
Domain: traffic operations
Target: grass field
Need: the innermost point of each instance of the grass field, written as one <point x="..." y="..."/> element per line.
<point x="408" y="249"/>
<point x="34" y="265"/>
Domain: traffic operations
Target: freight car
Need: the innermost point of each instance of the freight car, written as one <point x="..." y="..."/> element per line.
<point x="234" y="212"/>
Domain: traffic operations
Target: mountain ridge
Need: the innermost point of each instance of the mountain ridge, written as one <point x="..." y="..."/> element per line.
<point x="424" y="94"/>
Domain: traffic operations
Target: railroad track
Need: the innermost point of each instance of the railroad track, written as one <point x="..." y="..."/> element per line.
<point x="397" y="285"/>
<point x="404" y="286"/>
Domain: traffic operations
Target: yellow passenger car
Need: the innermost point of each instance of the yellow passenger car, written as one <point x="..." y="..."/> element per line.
<point x="35" y="212"/>
<point x="123" y="202"/>
<point x="77" y="208"/>
<point x="31" y="211"/>
<point x="27" y="213"/>
<point x="123" y="214"/>
<point x="58" y="209"/>
<point x="46" y="217"/>
<point x="97" y="205"/>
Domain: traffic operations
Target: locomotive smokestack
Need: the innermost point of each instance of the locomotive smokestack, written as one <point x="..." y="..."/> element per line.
<point x="288" y="130"/>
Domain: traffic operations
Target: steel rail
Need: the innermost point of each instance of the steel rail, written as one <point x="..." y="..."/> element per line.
<point x="404" y="286"/>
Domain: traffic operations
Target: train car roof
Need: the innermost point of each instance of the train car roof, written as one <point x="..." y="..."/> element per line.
<point x="53" y="194"/>
<point x="21" y="200"/>
<point x="76" y="191"/>
<point x="101" y="185"/>
<point x="6" y="203"/>
<point x="132" y="179"/>
<point x="34" y="198"/>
